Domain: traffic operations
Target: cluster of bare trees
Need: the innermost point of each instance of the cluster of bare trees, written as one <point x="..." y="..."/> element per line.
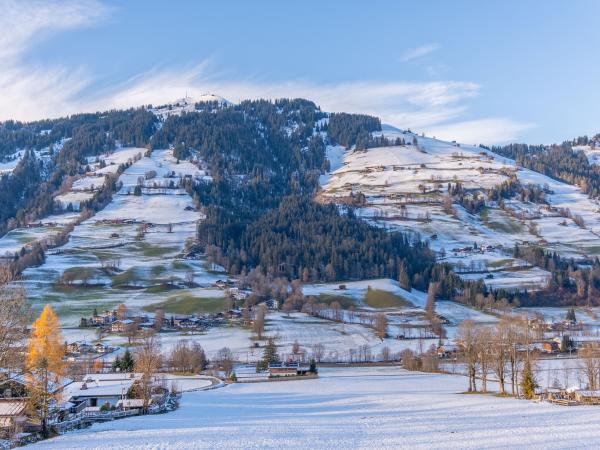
<point x="589" y="356"/>
<point x="500" y="350"/>
<point x="13" y="321"/>
<point x="425" y="362"/>
<point x="187" y="357"/>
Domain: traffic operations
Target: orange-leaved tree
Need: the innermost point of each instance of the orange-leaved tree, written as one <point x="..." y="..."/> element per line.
<point x="45" y="365"/>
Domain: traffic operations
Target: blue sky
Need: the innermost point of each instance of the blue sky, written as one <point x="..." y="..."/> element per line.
<point x="468" y="70"/>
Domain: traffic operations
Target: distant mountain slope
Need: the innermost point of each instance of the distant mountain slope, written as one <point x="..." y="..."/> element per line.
<point x="458" y="196"/>
<point x="260" y="177"/>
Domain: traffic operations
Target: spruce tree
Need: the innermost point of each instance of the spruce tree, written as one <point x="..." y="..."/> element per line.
<point x="269" y="356"/>
<point x="127" y="363"/>
<point x="527" y="381"/>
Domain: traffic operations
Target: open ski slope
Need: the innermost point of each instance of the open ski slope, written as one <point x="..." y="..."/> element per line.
<point x="367" y="408"/>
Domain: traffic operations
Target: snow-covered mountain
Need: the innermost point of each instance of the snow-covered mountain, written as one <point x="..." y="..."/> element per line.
<point x="406" y="187"/>
<point x="187" y="104"/>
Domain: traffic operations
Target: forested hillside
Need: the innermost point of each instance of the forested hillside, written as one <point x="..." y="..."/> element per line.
<point x="55" y="149"/>
<point x="265" y="160"/>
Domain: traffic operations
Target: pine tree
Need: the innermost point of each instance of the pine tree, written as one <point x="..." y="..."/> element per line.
<point x="528" y="384"/>
<point x="127" y="362"/>
<point x="45" y="365"/>
<point x="269" y="356"/>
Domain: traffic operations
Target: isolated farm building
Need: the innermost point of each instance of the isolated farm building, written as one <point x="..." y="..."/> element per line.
<point x="447" y="350"/>
<point x="588" y="397"/>
<point x="550" y="347"/>
<point x="248" y="374"/>
<point x="283" y="369"/>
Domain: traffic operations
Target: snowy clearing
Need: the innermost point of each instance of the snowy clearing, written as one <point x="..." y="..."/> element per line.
<point x="366" y="408"/>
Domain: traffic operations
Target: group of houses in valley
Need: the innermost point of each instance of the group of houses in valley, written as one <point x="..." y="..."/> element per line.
<point x="76" y="404"/>
<point x="124" y="323"/>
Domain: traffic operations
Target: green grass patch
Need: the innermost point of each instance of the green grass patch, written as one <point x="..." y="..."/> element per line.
<point x="345" y="301"/>
<point x="502" y="224"/>
<point x="129" y="277"/>
<point x="376" y="298"/>
<point x="153" y="251"/>
<point x="159" y="288"/>
<point x="499" y="263"/>
<point x="179" y="265"/>
<point x="157" y="271"/>
<point x="189" y="304"/>
<point x="592" y="250"/>
<point x="80" y="273"/>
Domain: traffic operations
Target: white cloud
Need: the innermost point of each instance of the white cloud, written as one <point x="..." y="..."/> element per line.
<point x="495" y="130"/>
<point x="22" y="21"/>
<point x="27" y="91"/>
<point x="406" y="104"/>
<point x="419" y="52"/>
<point x="32" y="92"/>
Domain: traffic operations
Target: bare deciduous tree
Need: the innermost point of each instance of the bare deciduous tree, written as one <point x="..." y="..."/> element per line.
<point x="381" y="325"/>
<point x="259" y="321"/>
<point x="466" y="338"/>
<point x="13" y="319"/>
<point x="224" y="360"/>
<point x="589" y="357"/>
<point x="147" y="362"/>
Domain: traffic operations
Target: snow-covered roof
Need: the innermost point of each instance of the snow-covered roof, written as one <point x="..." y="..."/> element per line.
<point x="588" y="393"/>
<point x="106" y="388"/>
<point x="12" y="408"/>
<point x="53" y="386"/>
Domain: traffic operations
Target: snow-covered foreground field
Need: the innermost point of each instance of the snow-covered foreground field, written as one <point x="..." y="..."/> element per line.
<point x="369" y="408"/>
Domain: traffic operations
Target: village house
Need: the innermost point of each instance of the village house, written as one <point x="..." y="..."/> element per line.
<point x="248" y="374"/>
<point x="289" y="369"/>
<point x="13" y="417"/>
<point x="448" y="351"/>
<point x="101" y="390"/>
<point x="239" y="294"/>
<point x="588" y="397"/>
<point x="550" y="346"/>
<point x="105" y="318"/>
<point x="121" y="326"/>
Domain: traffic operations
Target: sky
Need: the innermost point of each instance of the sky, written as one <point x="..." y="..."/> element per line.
<point x="472" y="71"/>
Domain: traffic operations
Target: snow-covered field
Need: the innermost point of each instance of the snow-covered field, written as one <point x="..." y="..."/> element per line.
<point x="358" y="408"/>
<point x="112" y="237"/>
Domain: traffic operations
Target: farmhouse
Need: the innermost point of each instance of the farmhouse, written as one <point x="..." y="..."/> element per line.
<point x="101" y="389"/>
<point x="248" y="374"/>
<point x="289" y="369"/>
<point x="447" y="351"/>
<point x="550" y="347"/>
<point x="13" y="417"/>
<point x="588" y="397"/>
<point x="120" y="326"/>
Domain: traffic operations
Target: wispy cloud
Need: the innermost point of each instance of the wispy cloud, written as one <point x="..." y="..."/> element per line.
<point x="32" y="92"/>
<point x="493" y="130"/>
<point x="406" y="104"/>
<point x="419" y="52"/>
